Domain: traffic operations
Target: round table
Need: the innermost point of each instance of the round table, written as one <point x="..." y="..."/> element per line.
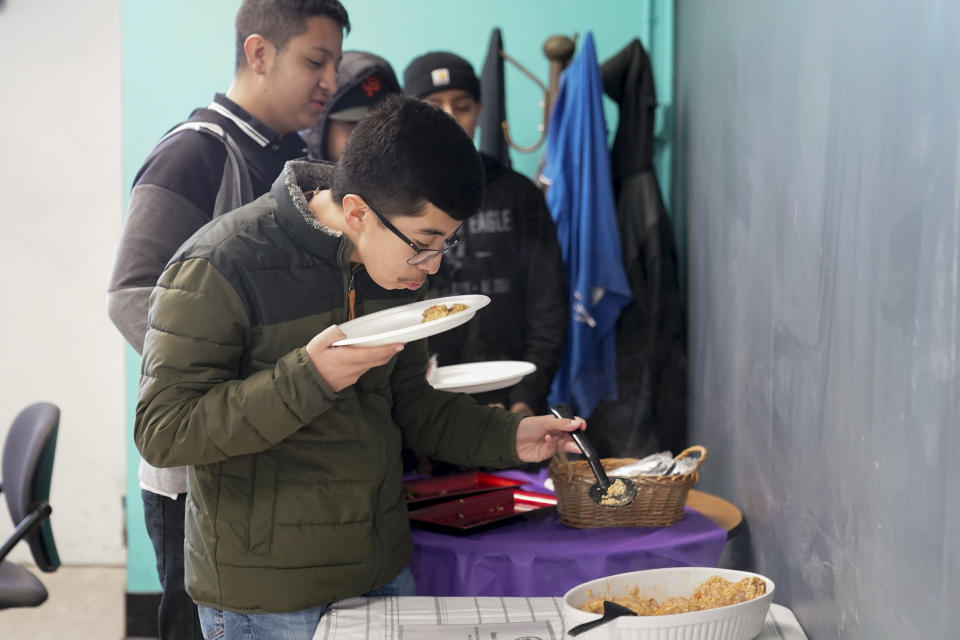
<point x="725" y="514"/>
<point x="539" y="556"/>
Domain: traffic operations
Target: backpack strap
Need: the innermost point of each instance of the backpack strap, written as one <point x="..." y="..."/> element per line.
<point x="235" y="187"/>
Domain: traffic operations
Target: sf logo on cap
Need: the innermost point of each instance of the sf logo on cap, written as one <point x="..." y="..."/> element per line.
<point x="371" y="85"/>
<point x="440" y="77"/>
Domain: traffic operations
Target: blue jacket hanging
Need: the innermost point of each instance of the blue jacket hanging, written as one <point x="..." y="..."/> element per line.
<point x="580" y="198"/>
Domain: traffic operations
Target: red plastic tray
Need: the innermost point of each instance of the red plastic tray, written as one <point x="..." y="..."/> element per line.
<point x="473" y="513"/>
<point x="420" y="493"/>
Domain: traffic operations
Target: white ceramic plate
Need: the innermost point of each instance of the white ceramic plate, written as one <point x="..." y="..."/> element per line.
<point x="477" y="377"/>
<point x="402" y="324"/>
<point x="735" y="622"/>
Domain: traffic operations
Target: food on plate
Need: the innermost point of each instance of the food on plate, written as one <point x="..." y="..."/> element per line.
<point x="438" y="311"/>
<point x="614" y="494"/>
<point x="712" y="593"/>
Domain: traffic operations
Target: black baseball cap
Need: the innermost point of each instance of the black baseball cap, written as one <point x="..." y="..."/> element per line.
<point x="439" y="71"/>
<point x="363" y="78"/>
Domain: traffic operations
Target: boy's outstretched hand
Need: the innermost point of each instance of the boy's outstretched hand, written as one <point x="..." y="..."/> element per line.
<point x="539" y="437"/>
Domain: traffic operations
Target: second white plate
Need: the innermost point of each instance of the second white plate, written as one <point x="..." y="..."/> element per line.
<point x="478" y="377"/>
<point x="403" y="323"/>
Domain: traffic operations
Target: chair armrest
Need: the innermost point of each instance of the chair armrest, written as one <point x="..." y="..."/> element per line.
<point x="33" y="518"/>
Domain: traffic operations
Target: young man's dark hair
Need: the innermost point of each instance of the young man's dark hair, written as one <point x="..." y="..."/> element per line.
<point x="394" y="167"/>
<point x="279" y="21"/>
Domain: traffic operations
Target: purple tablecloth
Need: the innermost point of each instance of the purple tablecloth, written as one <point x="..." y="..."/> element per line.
<point x="539" y="556"/>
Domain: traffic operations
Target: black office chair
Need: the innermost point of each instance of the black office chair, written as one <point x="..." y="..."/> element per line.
<point x="26" y="470"/>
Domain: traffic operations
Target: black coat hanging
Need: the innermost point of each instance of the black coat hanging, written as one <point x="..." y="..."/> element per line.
<point x="651" y="413"/>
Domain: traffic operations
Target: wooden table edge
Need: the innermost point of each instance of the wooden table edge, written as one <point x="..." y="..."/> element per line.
<point x="723" y="513"/>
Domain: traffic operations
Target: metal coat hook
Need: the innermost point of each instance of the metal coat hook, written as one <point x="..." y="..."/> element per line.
<point x="546" y="109"/>
<point x="559" y="50"/>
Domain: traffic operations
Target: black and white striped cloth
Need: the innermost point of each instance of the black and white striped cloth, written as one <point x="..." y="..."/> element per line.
<point x="382" y="618"/>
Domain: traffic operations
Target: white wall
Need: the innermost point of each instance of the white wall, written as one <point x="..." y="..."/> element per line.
<point x="61" y="212"/>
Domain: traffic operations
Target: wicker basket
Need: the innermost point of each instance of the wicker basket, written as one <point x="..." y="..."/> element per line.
<point x="659" y="500"/>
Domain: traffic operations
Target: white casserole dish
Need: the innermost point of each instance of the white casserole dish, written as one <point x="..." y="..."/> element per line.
<point x="741" y="621"/>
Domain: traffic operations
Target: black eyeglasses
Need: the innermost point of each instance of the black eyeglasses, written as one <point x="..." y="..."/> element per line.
<point x="422" y="255"/>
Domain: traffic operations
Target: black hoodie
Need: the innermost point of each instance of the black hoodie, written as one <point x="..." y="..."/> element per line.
<point x="509" y="252"/>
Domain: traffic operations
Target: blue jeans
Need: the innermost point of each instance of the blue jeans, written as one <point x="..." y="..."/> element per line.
<point x="296" y="625"/>
<point x="177" y="615"/>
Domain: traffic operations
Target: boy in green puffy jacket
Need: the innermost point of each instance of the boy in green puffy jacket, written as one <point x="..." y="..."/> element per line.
<point x="295" y="485"/>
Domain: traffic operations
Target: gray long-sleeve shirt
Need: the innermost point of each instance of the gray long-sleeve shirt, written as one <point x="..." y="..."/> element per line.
<point x="175" y="193"/>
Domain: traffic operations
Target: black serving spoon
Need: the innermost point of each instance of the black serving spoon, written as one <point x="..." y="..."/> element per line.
<point x="598" y="491"/>
<point x="611" y="610"/>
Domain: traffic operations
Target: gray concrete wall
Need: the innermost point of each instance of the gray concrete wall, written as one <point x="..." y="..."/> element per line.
<point x="818" y="165"/>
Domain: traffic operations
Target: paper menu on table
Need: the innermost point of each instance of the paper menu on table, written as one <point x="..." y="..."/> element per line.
<point x="540" y="630"/>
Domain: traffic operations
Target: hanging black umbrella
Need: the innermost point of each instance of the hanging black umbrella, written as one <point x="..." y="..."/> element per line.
<point x="492" y="141"/>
